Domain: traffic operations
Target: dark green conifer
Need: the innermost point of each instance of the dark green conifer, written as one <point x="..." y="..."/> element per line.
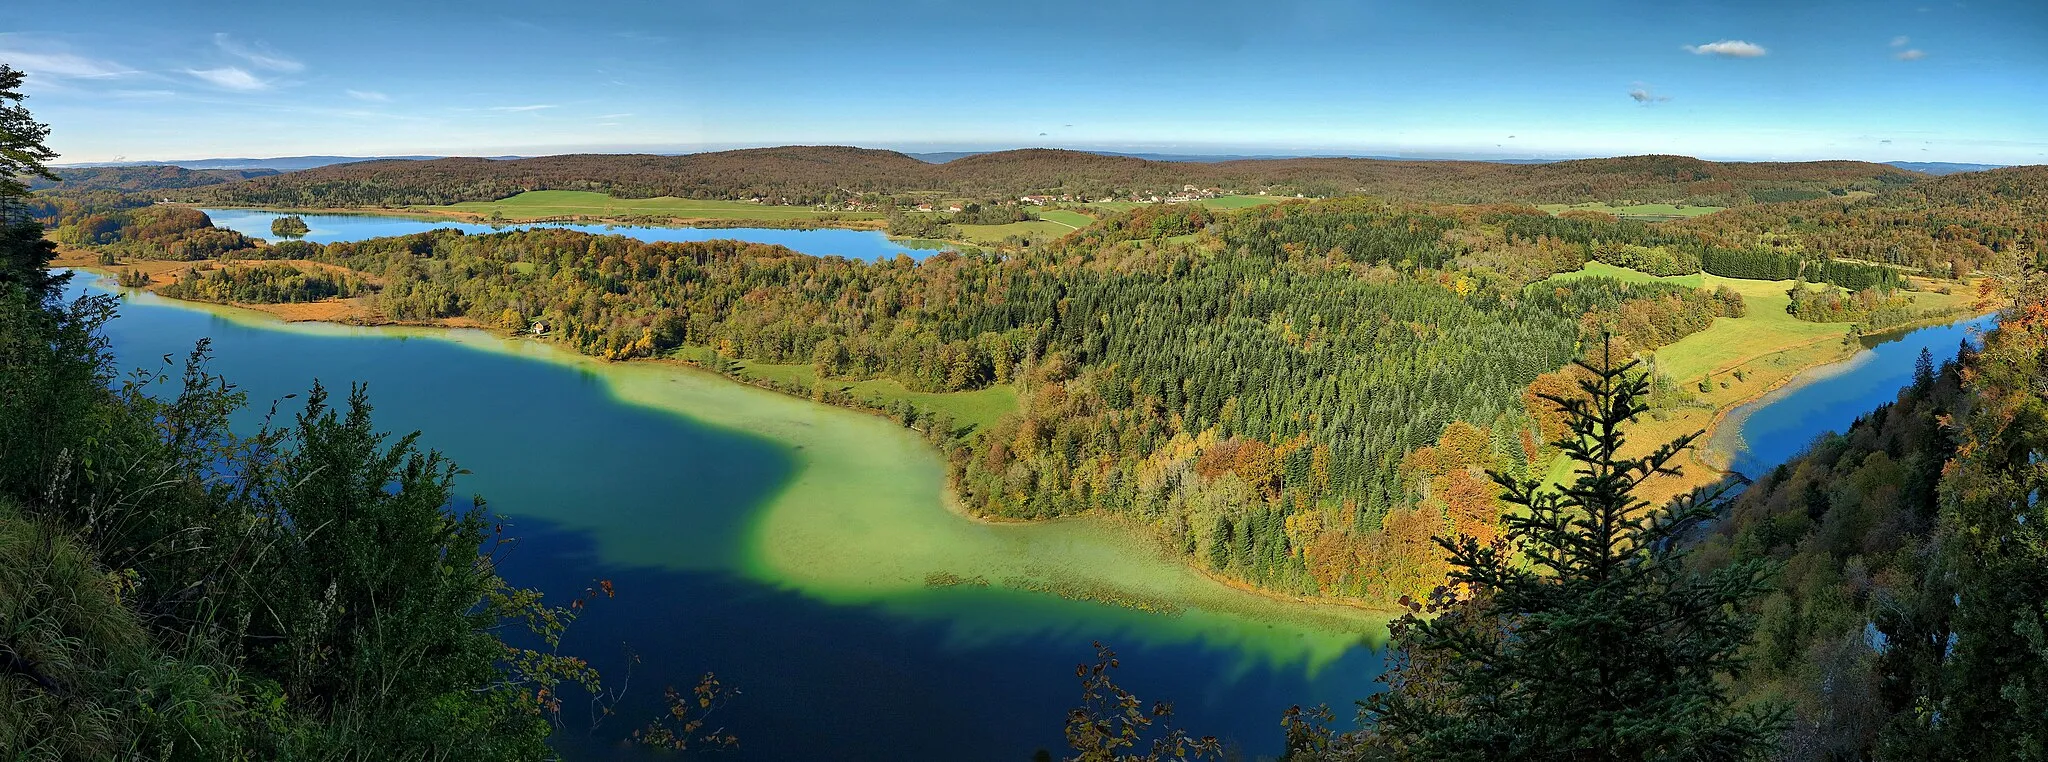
<point x="1582" y="636"/>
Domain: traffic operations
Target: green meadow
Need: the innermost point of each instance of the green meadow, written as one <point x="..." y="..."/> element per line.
<point x="1072" y="219"/>
<point x="1626" y="275"/>
<point x="561" y="203"/>
<point x="1036" y="230"/>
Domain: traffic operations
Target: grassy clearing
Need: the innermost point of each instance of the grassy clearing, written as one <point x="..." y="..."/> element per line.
<point x="1036" y="230"/>
<point x="1625" y="275"/>
<point x="1074" y="220"/>
<point x="1767" y="346"/>
<point x="1647" y="212"/>
<point x="558" y="203"/>
<point x="1767" y="328"/>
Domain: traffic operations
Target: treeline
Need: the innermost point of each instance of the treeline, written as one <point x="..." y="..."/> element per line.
<point x="1905" y="624"/>
<point x="829" y="174"/>
<point x="1669" y="250"/>
<point x="1764" y="264"/>
<point x="269" y="283"/>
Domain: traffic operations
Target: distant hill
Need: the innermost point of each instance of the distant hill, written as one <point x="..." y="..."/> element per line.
<point x="1942" y="167"/>
<point x="130" y="179"/>
<point x="1204" y="158"/>
<point x="811" y="174"/>
<point x="279" y="163"/>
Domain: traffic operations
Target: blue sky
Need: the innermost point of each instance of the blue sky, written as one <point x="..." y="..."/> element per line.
<point x="1919" y="80"/>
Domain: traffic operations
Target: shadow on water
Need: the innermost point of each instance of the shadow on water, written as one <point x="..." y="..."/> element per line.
<point x="819" y="681"/>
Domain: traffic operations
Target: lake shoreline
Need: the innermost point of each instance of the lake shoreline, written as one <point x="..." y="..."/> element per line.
<point x="1806" y="375"/>
<point x="79" y="259"/>
<point x="1708" y="456"/>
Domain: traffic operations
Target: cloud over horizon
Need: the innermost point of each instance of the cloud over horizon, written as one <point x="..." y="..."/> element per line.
<point x="1728" y="49"/>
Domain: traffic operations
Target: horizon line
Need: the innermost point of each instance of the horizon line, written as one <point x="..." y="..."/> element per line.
<point x="1134" y="151"/>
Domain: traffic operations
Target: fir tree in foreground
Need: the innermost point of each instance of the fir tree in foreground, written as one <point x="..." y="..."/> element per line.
<point x="1581" y="635"/>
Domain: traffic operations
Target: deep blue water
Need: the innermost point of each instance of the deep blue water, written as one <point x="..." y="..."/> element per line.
<point x="1781" y="425"/>
<point x="330" y="228"/>
<point x="818" y="681"/>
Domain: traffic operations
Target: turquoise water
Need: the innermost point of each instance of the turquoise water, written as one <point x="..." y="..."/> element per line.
<point x="331" y="228"/>
<point x="1780" y="425"/>
<point x="595" y="486"/>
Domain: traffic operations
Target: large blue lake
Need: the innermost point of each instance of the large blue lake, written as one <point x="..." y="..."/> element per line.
<point x="331" y="228"/>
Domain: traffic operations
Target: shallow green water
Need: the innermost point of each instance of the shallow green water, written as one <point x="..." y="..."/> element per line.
<point x="786" y="545"/>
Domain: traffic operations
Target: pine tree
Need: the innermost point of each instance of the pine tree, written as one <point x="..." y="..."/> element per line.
<point x="1582" y="635"/>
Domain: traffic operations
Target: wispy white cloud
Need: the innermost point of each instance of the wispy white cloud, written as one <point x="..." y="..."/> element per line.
<point x="59" y="65"/>
<point x="230" y="78"/>
<point x="1900" y="41"/>
<point x="611" y="116"/>
<point x="1645" y="95"/>
<point x="258" y="54"/>
<point x="1728" y="49"/>
<point x="534" y="107"/>
<point x="368" y="95"/>
<point x="1912" y="54"/>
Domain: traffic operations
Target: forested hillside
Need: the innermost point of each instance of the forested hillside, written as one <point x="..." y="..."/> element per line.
<point x="1907" y="619"/>
<point x="1946" y="225"/>
<point x="146" y="178"/>
<point x="816" y="174"/>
